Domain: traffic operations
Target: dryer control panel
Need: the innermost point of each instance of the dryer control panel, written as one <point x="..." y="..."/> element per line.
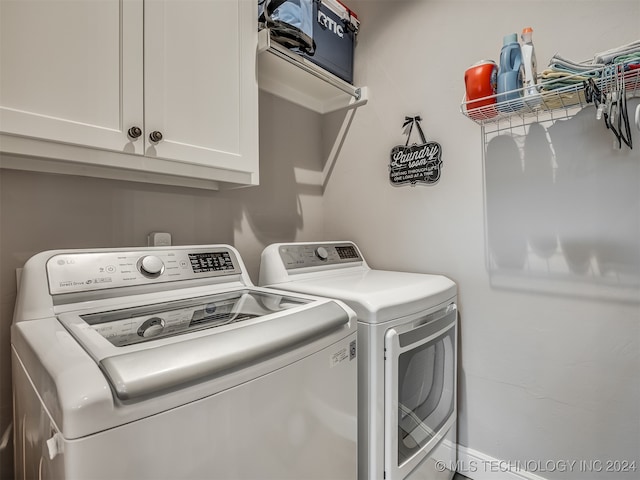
<point x="87" y="271"/>
<point x="320" y="254"/>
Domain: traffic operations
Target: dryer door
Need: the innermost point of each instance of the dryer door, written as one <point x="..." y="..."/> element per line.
<point x="420" y="389"/>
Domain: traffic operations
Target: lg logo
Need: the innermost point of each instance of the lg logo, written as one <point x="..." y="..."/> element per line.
<point x="332" y="25"/>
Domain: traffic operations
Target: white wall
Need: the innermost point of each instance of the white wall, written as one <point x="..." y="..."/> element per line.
<point x="550" y="352"/>
<point x="42" y="212"/>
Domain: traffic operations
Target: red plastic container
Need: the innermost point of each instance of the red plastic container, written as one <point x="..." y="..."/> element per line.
<point x="480" y="81"/>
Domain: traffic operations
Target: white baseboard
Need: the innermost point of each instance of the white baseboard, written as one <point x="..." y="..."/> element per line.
<point x="478" y="466"/>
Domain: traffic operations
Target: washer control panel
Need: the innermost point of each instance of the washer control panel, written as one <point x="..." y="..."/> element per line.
<point x="81" y="272"/>
<point x="315" y="255"/>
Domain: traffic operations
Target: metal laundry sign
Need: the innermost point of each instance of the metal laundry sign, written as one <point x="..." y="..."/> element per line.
<point x="415" y="163"/>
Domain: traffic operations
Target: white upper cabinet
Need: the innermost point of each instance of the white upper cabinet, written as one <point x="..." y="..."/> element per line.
<point x="156" y="90"/>
<point x="71" y="71"/>
<point x="200" y="81"/>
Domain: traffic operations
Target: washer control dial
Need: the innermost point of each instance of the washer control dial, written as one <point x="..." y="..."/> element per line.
<point x="151" y="266"/>
<point x="151" y="327"/>
<point x="322" y="253"/>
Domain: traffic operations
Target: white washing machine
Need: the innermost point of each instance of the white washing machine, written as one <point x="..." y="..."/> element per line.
<point x="407" y="335"/>
<point x="167" y="363"/>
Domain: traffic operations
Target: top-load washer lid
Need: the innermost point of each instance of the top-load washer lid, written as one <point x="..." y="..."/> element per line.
<point x="153" y="348"/>
<point x="338" y="270"/>
<point x="152" y="322"/>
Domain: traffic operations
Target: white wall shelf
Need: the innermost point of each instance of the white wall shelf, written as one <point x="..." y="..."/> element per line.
<point x="551" y="105"/>
<point x="288" y="75"/>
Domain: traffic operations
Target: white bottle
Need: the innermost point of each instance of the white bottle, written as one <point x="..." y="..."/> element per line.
<point x="530" y="79"/>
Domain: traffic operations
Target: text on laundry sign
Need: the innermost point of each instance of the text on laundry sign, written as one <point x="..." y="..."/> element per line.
<point x="415" y="155"/>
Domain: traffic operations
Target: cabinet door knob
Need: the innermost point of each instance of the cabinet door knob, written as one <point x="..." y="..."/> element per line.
<point x="155" y="136"/>
<point x="134" y="132"/>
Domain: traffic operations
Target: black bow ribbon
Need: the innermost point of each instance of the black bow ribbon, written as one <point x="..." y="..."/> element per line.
<point x="409" y="122"/>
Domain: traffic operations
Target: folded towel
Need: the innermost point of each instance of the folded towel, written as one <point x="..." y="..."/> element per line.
<point x="551" y="79"/>
<point x="551" y="101"/>
<point x="627" y="59"/>
<point x="563" y="73"/>
<point x="562" y="64"/>
<point x="608" y="56"/>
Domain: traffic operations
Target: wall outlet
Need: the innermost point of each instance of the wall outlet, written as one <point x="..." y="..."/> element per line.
<point x="159" y="239"/>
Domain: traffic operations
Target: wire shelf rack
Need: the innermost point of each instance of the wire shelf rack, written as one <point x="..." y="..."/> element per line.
<point x="553" y="102"/>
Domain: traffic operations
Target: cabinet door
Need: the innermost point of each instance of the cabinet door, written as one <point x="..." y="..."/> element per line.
<point x="71" y="71"/>
<point x="200" y="84"/>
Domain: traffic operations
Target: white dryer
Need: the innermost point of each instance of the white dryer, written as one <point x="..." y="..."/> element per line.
<point x="407" y="335"/>
<point x="167" y="363"/>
